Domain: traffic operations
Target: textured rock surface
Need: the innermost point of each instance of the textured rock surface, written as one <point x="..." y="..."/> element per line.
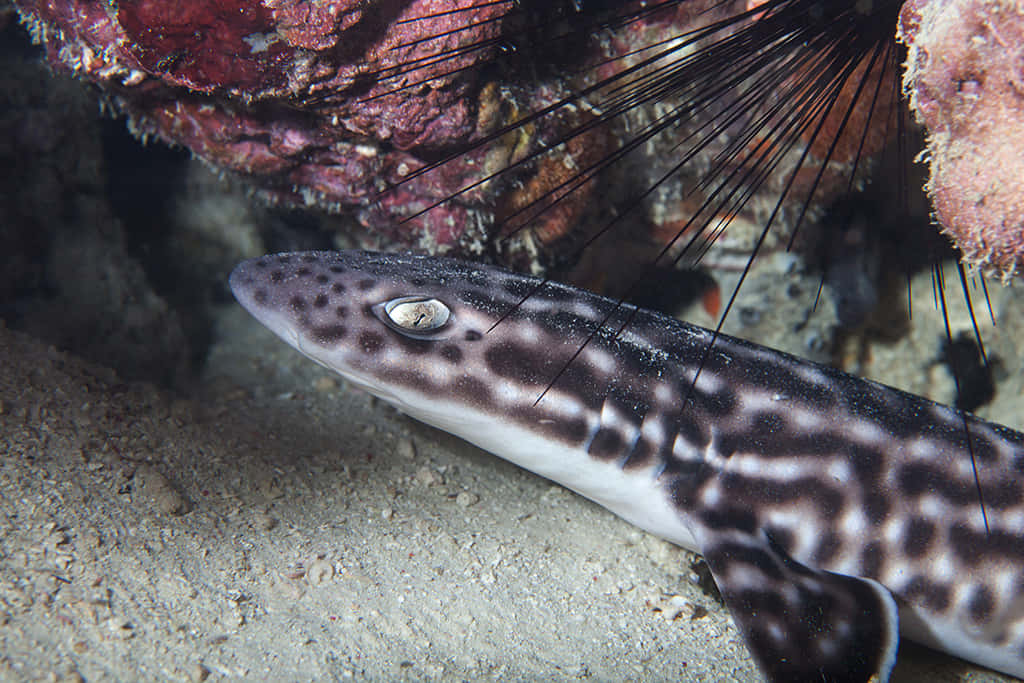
<point x="288" y="94"/>
<point x="327" y="105"/>
<point x="965" y="80"/>
<point x="66" y="273"/>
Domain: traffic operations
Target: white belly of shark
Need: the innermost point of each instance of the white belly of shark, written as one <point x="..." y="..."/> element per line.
<point x="833" y="513"/>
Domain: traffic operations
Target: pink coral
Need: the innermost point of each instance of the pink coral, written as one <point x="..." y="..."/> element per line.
<point x="288" y="93"/>
<point x="329" y="103"/>
<point x="965" y="79"/>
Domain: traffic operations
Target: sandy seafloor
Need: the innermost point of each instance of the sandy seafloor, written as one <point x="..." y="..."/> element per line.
<point x="273" y="524"/>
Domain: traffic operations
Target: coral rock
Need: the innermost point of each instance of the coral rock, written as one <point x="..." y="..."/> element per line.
<point x="288" y="93"/>
<point x="965" y="80"/>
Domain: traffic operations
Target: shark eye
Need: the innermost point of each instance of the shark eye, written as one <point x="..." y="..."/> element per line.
<point x="414" y="316"/>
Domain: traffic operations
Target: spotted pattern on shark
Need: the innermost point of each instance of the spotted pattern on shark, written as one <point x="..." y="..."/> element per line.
<point x="834" y="513"/>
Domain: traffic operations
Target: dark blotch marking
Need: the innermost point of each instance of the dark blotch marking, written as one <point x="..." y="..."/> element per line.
<point x="729" y="554"/>
<point x="828" y="548"/>
<point x="285" y="258"/>
<point x="607" y="444"/>
<point x="983" y="449"/>
<point x="630" y="401"/>
<point x="872" y="559"/>
<point x="877" y="508"/>
<point x="641" y="455"/>
<point x="338" y="288"/>
<point x="262" y="263"/>
<point x="328" y="335"/>
<point x="337" y="269"/>
<point x="366" y="284"/>
<point x="520" y="363"/>
<point x="867" y="464"/>
<point x="981" y="604"/>
<point x="729" y="519"/>
<point x="417" y="281"/>
<point x="303" y="271"/>
<point x="1005" y="493"/>
<point x="932" y="595"/>
<point x="310" y="258"/>
<point x="771" y="437"/>
<point x="917" y="478"/>
<point x="472" y="390"/>
<point x="371" y="342"/>
<point x="682" y="474"/>
<point x="322" y="279"/>
<point x="899" y="414"/>
<point x="921" y="478"/>
<point x="756" y="491"/>
<point x="568" y="431"/>
<point x="685" y="482"/>
<point x="451" y="353"/>
<point x="783" y="539"/>
<point x="694" y="431"/>
<point x="320" y="301"/>
<point x="767" y="424"/>
<point x="719" y="404"/>
<point x="579" y="381"/>
<point x="277" y="276"/>
<point x="972" y="547"/>
<point x="472" y="335"/>
<point x="297" y="303"/>
<point x="261" y="296"/>
<point x="920" y="533"/>
<point x="341" y="312"/>
<point x="737" y="361"/>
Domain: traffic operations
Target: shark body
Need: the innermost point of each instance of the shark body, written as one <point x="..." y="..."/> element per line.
<point x="834" y="513"/>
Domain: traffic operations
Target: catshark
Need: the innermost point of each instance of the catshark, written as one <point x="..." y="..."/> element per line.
<point x="834" y="513"/>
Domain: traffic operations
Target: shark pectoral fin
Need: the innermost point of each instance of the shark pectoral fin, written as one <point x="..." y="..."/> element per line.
<point x="803" y="624"/>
